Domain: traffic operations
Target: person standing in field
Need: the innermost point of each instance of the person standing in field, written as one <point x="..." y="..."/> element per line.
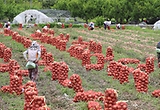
<point x="32" y="56"/>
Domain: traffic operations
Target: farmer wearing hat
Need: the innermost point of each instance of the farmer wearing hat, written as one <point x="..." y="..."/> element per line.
<point x="32" y="55"/>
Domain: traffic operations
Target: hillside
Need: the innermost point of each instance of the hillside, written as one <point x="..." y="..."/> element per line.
<point x="128" y="43"/>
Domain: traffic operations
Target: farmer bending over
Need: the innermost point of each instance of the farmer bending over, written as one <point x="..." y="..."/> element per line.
<point x="91" y="25"/>
<point x="118" y="26"/>
<point x="34" y="54"/>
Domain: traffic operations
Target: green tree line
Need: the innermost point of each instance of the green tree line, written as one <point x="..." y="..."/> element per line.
<point x="122" y="11"/>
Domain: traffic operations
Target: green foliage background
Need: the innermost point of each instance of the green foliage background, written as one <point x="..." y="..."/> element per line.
<point x="122" y="11"/>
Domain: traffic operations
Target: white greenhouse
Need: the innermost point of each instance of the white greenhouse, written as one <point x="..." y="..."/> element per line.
<point x="156" y="25"/>
<point x="31" y="16"/>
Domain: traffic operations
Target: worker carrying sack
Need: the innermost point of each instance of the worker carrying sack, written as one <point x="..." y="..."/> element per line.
<point x="30" y="65"/>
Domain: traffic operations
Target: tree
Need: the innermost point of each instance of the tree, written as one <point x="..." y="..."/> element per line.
<point x="2" y="8"/>
<point x="61" y="4"/>
<point x="47" y="4"/>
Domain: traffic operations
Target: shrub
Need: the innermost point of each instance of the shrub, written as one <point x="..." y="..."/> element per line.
<point x="99" y="21"/>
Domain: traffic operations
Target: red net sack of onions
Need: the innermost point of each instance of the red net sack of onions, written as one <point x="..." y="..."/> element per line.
<point x="49" y="58"/>
<point x="45" y="30"/>
<point x="14" y="35"/>
<point x="2" y="48"/>
<point x="51" y="32"/>
<point x="27" y="42"/>
<point x="109" y="54"/>
<point x="113" y="69"/>
<point x="66" y="83"/>
<point x="142" y="85"/>
<point x="86" y="57"/>
<point x="19" y="74"/>
<point x="136" y="74"/>
<point x="142" y="67"/>
<point x="70" y="50"/>
<point x="62" y="45"/>
<point x="54" y="67"/>
<point x="53" y="41"/>
<point x="29" y="84"/>
<point x="89" y="96"/>
<point x="98" y="67"/>
<point x="99" y="48"/>
<point x="110" y="99"/>
<point x="29" y="94"/>
<point x="7" y="54"/>
<point x="15" y="85"/>
<point x="92" y="105"/>
<point x="124" y="74"/>
<point x="43" y="52"/>
<point x="6" y="32"/>
<point x="76" y="83"/>
<point x="79" y="51"/>
<point x="100" y="58"/>
<point x="128" y="61"/>
<point x="16" y="67"/>
<point x="12" y="63"/>
<point x="156" y="93"/>
<point x="141" y="80"/>
<point x="63" y="72"/>
<point x="38" y="102"/>
<point x="120" y="105"/>
<point x="6" y="88"/>
<point x="25" y="72"/>
<point x="67" y="37"/>
<point x="4" y="67"/>
<point x="92" y="46"/>
<point x="149" y="65"/>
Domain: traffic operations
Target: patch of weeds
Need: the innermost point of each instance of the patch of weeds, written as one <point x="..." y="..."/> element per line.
<point x="82" y="106"/>
<point x="48" y="73"/>
<point x="41" y="77"/>
<point x="74" y="37"/>
<point x="117" y="48"/>
<point x="93" y="59"/>
<point x="66" y="90"/>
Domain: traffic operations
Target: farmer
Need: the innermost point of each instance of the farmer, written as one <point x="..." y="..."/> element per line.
<point x="34" y="54"/>
<point x="107" y="24"/>
<point x="7" y="25"/>
<point x="158" y="51"/>
<point x="118" y="26"/>
<point x="91" y="25"/>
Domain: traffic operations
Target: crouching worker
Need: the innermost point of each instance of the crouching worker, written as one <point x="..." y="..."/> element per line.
<point x="158" y="53"/>
<point x="32" y="56"/>
<point x="91" y="26"/>
<point x="118" y="26"/>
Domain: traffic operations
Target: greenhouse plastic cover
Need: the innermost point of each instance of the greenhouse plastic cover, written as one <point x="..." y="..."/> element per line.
<point x="25" y="16"/>
<point x="156" y="25"/>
